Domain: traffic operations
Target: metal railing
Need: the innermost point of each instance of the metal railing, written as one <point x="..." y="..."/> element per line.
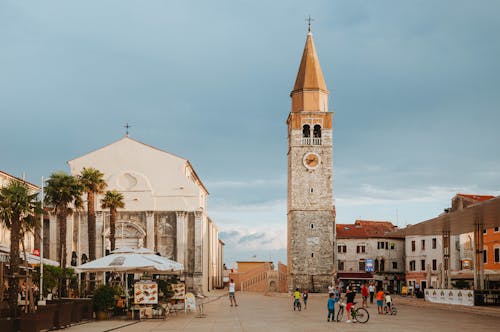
<point x="311" y="140"/>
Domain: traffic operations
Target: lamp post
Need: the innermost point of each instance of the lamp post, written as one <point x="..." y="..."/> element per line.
<point x="41" y="246"/>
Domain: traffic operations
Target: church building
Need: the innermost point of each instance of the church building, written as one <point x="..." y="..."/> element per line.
<point x="311" y="211"/>
<point x="165" y="210"/>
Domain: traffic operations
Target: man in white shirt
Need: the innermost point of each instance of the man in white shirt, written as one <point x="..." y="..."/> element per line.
<point x="371" y="289"/>
<point x="232" y="288"/>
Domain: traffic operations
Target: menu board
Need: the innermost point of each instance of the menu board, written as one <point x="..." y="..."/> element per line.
<point x="190" y="304"/>
<point x="146" y="292"/>
<point x="179" y="291"/>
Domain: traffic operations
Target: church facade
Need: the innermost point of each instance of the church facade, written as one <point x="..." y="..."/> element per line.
<point x="165" y="210"/>
<point x="311" y="211"/>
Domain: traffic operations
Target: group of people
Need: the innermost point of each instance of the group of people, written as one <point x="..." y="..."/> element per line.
<point x="335" y="295"/>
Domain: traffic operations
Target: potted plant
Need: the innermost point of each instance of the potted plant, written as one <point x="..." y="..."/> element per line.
<point x="103" y="301"/>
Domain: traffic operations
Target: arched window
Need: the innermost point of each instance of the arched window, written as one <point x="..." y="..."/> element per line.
<point x="376" y="265"/>
<point x="317" y="131"/>
<point x="306" y="131"/>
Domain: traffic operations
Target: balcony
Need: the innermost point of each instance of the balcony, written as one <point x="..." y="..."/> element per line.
<point x="311" y="140"/>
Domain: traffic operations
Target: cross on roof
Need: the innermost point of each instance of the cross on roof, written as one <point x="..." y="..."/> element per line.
<point x="126" y="126"/>
<point x="309" y="20"/>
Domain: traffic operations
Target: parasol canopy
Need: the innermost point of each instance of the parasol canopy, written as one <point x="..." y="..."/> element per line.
<point x="132" y="261"/>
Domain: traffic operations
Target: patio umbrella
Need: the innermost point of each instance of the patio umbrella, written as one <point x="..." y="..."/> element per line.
<point x="132" y="261"/>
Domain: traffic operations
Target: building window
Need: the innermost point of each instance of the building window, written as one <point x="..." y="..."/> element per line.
<point x="394" y="265"/>
<point x="423" y="244"/>
<point x="362" y="265"/>
<point x="360" y="249"/>
<point x="312" y="226"/>
<point x="317" y="131"/>
<point x="434" y="243"/>
<point x="342" y="248"/>
<point x="306" y="131"/>
<point x="382" y="265"/>
<point x="496" y="229"/>
<point x="412" y="245"/>
<point x="434" y="264"/>
<point x="497" y="255"/>
<point x="422" y="265"/>
<point x="340" y="265"/>
<point x="485" y="256"/>
<point x="380" y="245"/>
<point x="376" y="265"/>
<point x="484" y="231"/>
<point x="392" y="246"/>
<point x="412" y="265"/>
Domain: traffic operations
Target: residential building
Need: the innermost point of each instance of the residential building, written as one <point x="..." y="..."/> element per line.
<point x="367" y="252"/>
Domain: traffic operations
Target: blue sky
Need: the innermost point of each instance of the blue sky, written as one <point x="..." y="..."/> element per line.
<point x="414" y="86"/>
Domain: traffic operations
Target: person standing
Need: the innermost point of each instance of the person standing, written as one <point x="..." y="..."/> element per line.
<point x="388" y="301"/>
<point x="330" y="290"/>
<point x="380" y="301"/>
<point x="232" y="289"/>
<point x="350" y="302"/>
<point x="371" y="289"/>
<point x="331" y="308"/>
<point x="296" y="299"/>
<point x="364" y="294"/>
<point x="305" y="297"/>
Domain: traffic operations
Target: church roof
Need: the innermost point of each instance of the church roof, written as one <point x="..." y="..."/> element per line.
<point x="12" y="177"/>
<point x="310" y="75"/>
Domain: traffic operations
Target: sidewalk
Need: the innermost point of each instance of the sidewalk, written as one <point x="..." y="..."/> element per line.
<point x="416" y="302"/>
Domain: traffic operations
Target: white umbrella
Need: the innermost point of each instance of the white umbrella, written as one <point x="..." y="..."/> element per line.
<point x="132" y="261"/>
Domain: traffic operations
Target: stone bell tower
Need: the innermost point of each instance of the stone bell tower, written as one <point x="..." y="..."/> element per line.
<point x="311" y="211"/>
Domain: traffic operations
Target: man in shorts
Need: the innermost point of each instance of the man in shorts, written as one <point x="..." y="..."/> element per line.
<point x="232" y="298"/>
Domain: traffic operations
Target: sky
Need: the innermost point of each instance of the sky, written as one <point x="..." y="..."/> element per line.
<point x="414" y="87"/>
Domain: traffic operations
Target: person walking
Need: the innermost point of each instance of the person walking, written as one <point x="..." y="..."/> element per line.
<point x="364" y="294"/>
<point x="380" y="301"/>
<point x="232" y="289"/>
<point x="296" y="299"/>
<point x="330" y="289"/>
<point x="331" y="308"/>
<point x="388" y="301"/>
<point x="371" y="289"/>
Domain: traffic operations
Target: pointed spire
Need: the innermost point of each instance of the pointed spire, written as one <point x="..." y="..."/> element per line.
<point x="310" y="76"/>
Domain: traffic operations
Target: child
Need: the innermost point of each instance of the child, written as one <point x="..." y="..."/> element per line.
<point x="305" y="296"/>
<point x="380" y="301"/>
<point x="296" y="299"/>
<point x="331" y="307"/>
<point x="388" y="302"/>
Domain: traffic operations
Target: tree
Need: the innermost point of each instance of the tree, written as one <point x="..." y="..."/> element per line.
<point x="19" y="208"/>
<point x="112" y="200"/>
<point x="92" y="181"/>
<point x="62" y="191"/>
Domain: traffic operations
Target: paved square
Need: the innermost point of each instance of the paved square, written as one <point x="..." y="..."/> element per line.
<point x="260" y="313"/>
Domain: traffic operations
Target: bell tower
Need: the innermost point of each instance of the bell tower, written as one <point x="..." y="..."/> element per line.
<point x="311" y="211"/>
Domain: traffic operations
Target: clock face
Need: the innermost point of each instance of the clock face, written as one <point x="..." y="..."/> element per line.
<point x="311" y="160"/>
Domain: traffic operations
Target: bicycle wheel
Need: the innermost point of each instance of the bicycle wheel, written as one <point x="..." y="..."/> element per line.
<point x="340" y="313"/>
<point x="362" y="315"/>
<point x="394" y="311"/>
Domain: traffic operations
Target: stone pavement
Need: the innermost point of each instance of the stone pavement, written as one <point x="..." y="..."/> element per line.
<point x="257" y="312"/>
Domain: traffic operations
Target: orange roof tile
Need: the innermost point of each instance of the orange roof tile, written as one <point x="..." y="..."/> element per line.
<point x="365" y="229"/>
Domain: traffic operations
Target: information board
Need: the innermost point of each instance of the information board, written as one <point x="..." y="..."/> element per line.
<point x="146" y="292"/>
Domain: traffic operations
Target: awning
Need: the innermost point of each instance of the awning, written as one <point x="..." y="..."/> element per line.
<point x="355" y="275"/>
<point x="32" y="259"/>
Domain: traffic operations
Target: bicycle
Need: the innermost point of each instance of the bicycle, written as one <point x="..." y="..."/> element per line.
<point x="297" y="305"/>
<point x="392" y="310"/>
<point x="359" y="315"/>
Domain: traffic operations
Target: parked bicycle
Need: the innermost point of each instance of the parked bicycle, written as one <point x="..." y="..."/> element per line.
<point x="359" y="315"/>
<point x="392" y="310"/>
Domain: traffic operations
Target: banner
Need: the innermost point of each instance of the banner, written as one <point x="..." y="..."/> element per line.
<point x="450" y="296"/>
<point x="146" y="292"/>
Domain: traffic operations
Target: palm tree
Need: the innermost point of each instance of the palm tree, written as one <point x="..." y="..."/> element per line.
<point x="112" y="200"/>
<point x="18" y="210"/>
<point x="93" y="183"/>
<point x="61" y="191"/>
